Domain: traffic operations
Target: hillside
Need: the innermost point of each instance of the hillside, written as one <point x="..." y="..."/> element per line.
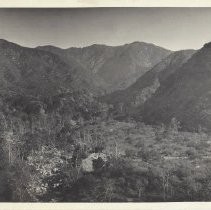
<point x="27" y="65"/>
<point x="185" y="95"/>
<point x="32" y="80"/>
<point x="114" y="67"/>
<point x="59" y="144"/>
<point x="84" y="73"/>
<point x="146" y="86"/>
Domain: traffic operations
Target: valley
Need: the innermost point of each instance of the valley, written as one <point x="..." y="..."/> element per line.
<point x="129" y="123"/>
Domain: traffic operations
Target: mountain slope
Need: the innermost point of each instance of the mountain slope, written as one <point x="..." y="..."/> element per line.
<point x="114" y="67"/>
<point x="146" y="86"/>
<point x="31" y="79"/>
<point x="27" y="65"/>
<point x="186" y="95"/>
<point x="84" y="73"/>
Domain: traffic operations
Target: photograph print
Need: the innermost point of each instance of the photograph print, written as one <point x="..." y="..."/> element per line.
<point x="105" y="104"/>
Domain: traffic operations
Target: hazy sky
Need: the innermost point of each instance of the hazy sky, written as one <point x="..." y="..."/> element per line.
<point x="172" y="28"/>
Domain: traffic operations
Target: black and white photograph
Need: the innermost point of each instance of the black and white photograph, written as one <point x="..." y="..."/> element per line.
<point x="105" y="104"/>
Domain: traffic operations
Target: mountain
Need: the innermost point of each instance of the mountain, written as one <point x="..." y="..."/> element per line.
<point x="32" y="78"/>
<point x="83" y="73"/>
<point x="27" y="66"/>
<point x="185" y="95"/>
<point x="114" y="67"/>
<point x="146" y="86"/>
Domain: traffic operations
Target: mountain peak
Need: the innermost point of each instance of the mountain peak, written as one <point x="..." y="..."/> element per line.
<point x="138" y="43"/>
<point x="48" y="47"/>
<point x="4" y="41"/>
<point x="207" y="45"/>
<point x="98" y="45"/>
<point x="7" y="44"/>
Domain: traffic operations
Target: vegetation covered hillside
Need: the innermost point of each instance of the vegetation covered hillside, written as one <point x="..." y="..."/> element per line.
<point x="143" y="163"/>
<point x="59" y="144"/>
<point x="40" y="97"/>
<point x="125" y="101"/>
<point x="115" y="67"/>
<point x="185" y="95"/>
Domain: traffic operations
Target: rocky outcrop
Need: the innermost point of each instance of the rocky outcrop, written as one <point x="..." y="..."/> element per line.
<point x="94" y="161"/>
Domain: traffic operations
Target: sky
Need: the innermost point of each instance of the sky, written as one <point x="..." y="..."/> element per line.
<point x="171" y="28"/>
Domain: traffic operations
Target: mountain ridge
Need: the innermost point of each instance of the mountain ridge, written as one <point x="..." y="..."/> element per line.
<point x="185" y="95"/>
<point x="116" y="66"/>
<point x="147" y="84"/>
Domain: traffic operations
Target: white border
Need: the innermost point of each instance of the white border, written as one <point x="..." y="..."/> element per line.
<point x="104" y="3"/>
<point x="107" y="206"/>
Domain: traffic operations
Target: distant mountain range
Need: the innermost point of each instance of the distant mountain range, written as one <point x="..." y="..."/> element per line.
<point x="32" y="80"/>
<point x="38" y="71"/>
<point x="113" y="67"/>
<point x="143" y="80"/>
